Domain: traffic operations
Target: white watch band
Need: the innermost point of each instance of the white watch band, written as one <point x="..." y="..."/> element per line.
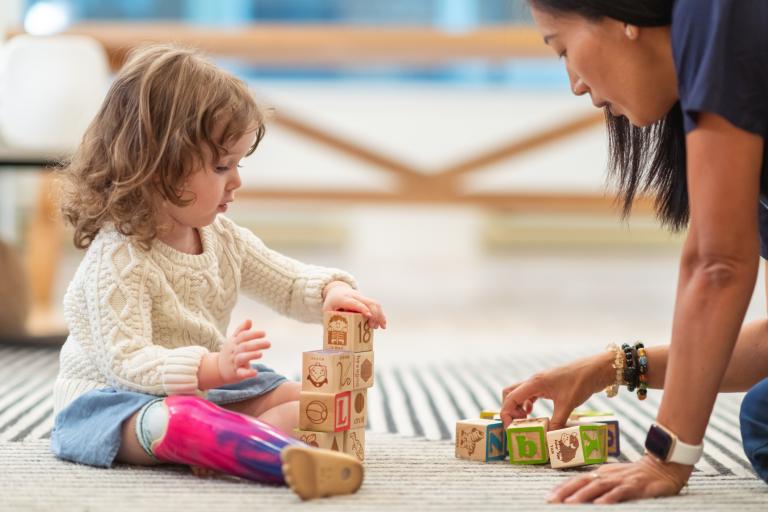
<point x="683" y="453"/>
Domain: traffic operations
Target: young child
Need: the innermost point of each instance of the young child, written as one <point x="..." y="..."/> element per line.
<point x="147" y="374"/>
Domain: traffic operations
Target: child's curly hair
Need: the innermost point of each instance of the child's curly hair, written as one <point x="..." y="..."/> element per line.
<point x="168" y="111"/>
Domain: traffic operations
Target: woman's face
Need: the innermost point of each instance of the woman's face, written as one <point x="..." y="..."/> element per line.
<point x="627" y="69"/>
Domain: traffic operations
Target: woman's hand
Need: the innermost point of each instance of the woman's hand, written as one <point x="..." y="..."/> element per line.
<point x="612" y="483"/>
<point x="567" y="386"/>
<point x="339" y="296"/>
<point x="234" y="359"/>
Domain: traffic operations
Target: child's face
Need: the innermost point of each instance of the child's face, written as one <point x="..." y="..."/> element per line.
<point x="212" y="187"/>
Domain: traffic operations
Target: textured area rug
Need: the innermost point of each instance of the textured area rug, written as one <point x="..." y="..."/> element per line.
<point x="410" y="462"/>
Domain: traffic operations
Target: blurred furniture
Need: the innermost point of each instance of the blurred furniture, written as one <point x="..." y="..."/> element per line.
<point x="50" y="89"/>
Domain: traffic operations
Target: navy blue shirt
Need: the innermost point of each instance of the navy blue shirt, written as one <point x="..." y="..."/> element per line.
<point x="720" y="49"/>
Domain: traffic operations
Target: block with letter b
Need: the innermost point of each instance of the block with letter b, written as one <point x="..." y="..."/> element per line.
<point x="480" y="439"/>
<point x="325" y="412"/>
<point x="346" y="331"/>
<point x="527" y="441"/>
<point x="577" y="446"/>
<point x="326" y="371"/>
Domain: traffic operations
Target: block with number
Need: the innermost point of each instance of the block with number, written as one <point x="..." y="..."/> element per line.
<point x="326" y="440"/>
<point x="359" y="408"/>
<point x="479" y="439"/>
<point x="354" y="443"/>
<point x="346" y="331"/>
<point x="611" y="422"/>
<point x="363" y="370"/>
<point x="325" y="412"/>
<point x="326" y="371"/>
<point x="577" y="446"/>
<point x="527" y="441"/>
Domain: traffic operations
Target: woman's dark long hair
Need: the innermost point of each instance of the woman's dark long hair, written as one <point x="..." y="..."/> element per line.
<point x="650" y="159"/>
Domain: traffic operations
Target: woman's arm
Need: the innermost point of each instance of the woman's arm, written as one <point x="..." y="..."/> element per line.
<point x="717" y="271"/>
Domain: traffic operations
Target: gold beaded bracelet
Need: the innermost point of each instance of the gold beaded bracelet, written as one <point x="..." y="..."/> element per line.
<point x="618" y="365"/>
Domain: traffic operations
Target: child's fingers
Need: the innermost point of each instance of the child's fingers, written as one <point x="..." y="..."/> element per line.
<point x="246" y="373"/>
<point x="354" y="305"/>
<point x="243" y="360"/>
<point x="243" y="327"/>
<point x="250" y="346"/>
<point x="249" y="335"/>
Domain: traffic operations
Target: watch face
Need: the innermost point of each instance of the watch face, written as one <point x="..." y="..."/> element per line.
<point x="658" y="442"/>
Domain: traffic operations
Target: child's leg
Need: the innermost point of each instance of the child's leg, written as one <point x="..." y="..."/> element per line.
<point x="131" y="451"/>
<point x="279" y="407"/>
<point x="190" y="430"/>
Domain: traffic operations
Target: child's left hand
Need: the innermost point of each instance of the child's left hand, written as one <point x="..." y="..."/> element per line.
<point x="339" y="296"/>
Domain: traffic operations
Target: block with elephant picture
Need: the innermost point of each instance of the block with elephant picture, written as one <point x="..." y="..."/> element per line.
<point x="578" y="445"/>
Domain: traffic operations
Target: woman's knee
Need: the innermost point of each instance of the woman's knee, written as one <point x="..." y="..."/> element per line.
<point x="754" y="427"/>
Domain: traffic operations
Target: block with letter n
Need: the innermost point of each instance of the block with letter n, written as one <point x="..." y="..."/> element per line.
<point x="527" y="441"/>
<point x="480" y="439"/>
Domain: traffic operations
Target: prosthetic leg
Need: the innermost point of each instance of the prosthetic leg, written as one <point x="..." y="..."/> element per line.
<point x="194" y="431"/>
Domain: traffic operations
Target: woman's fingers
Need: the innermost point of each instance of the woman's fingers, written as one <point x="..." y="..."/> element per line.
<point x="571" y="486"/>
<point x="513" y="406"/>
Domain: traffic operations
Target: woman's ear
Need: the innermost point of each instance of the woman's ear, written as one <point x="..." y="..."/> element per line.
<point x="632" y="31"/>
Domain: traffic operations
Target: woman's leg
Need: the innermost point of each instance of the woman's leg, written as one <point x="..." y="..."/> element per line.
<point x="754" y="427"/>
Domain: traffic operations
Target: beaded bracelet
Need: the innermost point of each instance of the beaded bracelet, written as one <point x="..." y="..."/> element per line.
<point x="630" y="370"/>
<point x="642" y="367"/>
<point x="618" y="365"/>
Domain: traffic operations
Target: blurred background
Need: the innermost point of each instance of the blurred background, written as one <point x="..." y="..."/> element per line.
<point x="430" y="147"/>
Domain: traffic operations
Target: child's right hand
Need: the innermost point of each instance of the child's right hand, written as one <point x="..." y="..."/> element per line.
<point x="244" y="346"/>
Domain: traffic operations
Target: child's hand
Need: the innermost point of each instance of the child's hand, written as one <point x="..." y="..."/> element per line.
<point x="238" y="351"/>
<point x="339" y="296"/>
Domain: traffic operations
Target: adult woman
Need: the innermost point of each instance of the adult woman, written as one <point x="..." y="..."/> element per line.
<point x="685" y="86"/>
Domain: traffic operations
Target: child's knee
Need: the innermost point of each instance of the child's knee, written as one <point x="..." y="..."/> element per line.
<point x="754" y="427"/>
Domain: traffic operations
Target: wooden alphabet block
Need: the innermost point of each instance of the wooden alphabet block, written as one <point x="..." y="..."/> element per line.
<point x="363" y="370"/>
<point x="490" y="414"/>
<point x="354" y="443"/>
<point x="326" y="371"/>
<point x="479" y="439"/>
<point x="326" y="440"/>
<point x="527" y="441"/>
<point x="325" y="412"/>
<point x="577" y="446"/>
<point x="611" y="422"/>
<point x="346" y="331"/>
<point x="359" y="408"/>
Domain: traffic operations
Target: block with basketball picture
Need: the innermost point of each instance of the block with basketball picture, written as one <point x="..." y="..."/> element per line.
<point x="577" y="446"/>
<point x="326" y="371"/>
<point x="325" y="440"/>
<point x="325" y="412"/>
<point x="346" y="331"/>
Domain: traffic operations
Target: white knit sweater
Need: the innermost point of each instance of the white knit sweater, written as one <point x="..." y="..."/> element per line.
<point x="142" y="320"/>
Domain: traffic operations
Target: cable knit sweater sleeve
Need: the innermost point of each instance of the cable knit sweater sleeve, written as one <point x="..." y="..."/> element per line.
<point x="288" y="286"/>
<point x="108" y="309"/>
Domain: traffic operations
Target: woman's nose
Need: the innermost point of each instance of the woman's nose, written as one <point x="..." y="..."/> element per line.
<point x="578" y="87"/>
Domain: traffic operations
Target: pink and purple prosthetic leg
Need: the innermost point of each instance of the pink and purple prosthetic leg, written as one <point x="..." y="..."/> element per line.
<point x="190" y="430"/>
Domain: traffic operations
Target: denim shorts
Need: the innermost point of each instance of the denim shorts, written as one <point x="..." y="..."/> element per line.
<point x="89" y="430"/>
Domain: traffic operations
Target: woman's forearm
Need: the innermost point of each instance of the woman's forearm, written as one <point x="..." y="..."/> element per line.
<point x="748" y="364"/>
<point x="711" y="304"/>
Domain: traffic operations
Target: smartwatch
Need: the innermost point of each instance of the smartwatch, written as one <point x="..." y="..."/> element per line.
<point x="662" y="444"/>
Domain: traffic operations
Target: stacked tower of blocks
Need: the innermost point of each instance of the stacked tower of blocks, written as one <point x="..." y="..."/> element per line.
<point x="589" y="438"/>
<point x="333" y="407"/>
